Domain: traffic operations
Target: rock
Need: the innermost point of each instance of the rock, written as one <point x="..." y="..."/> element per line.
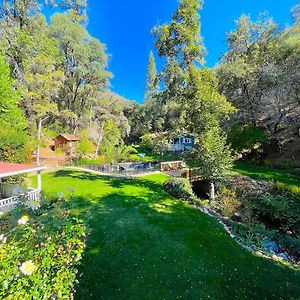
<point x="282" y="256"/>
<point x="247" y="187"/>
<point x="271" y="247"/>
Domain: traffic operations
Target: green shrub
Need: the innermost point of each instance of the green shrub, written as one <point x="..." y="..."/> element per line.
<point x="282" y="211"/>
<point x="59" y="151"/>
<point x="246" y="137"/>
<point x="229" y="203"/>
<point x="85" y="146"/>
<point x="147" y="142"/>
<point x="290" y="243"/>
<point x="179" y="188"/>
<point x="293" y="189"/>
<point x="286" y="165"/>
<point x="267" y="163"/>
<point x="39" y="251"/>
<point x="87" y="161"/>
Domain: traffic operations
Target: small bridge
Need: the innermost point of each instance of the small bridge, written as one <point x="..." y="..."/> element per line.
<point x="179" y="169"/>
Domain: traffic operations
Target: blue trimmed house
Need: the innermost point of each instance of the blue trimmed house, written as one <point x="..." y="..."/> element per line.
<point x="182" y="143"/>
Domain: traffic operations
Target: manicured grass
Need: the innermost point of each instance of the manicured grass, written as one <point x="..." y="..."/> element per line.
<point x="151" y="157"/>
<point x="264" y="173"/>
<point x="145" y="245"/>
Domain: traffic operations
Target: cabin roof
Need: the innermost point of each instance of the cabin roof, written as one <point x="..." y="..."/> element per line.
<point x="70" y="137"/>
<point x="12" y="169"/>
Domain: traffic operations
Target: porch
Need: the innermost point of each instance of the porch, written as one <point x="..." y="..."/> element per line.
<point x="13" y="194"/>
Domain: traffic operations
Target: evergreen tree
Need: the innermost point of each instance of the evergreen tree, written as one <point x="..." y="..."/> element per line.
<point x="151" y="78"/>
<point x="195" y="89"/>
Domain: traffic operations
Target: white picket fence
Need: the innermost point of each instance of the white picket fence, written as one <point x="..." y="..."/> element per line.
<point x="17" y="195"/>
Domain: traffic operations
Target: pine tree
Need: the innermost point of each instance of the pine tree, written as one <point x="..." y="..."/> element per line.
<point x="194" y="88"/>
<point x="151" y="78"/>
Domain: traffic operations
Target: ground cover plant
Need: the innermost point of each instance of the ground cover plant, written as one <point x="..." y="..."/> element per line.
<point x="264" y="208"/>
<point x="144" y="244"/>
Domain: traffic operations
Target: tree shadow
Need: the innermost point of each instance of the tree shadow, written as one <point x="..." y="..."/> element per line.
<point x="146" y="245"/>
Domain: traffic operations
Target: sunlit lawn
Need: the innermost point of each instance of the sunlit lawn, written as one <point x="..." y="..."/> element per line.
<point x="145" y="245"/>
<point x="283" y="180"/>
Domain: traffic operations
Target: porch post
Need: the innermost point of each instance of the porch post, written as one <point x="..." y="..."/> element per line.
<point x="39" y="181"/>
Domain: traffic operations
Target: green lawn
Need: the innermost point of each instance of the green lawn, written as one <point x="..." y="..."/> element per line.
<point x="264" y="173"/>
<point x="152" y="157"/>
<point x="145" y="245"/>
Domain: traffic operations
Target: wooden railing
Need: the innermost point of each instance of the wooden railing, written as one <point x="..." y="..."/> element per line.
<point x="32" y="195"/>
<point x="192" y="174"/>
<point x="171" y="166"/>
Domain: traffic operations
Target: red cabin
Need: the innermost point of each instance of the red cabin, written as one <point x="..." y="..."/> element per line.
<point x="66" y="142"/>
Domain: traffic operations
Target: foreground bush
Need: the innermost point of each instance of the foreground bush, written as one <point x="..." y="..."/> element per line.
<point x="179" y="188"/>
<point x="39" y="251"/>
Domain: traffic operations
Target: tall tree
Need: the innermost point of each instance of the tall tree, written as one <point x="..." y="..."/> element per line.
<point x="13" y="125"/>
<point x="84" y="64"/>
<point x="259" y="74"/>
<point x="16" y="18"/>
<point x="241" y="65"/>
<point x="184" y="81"/>
<point x="42" y="79"/>
<point x="151" y="78"/>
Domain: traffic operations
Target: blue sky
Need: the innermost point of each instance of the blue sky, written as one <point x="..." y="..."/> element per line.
<point x="124" y="26"/>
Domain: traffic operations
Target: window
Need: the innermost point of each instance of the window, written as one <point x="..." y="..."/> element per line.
<point x="175" y="141"/>
<point x="187" y="140"/>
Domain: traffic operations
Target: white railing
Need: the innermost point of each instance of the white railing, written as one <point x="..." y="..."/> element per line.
<point x="9" y="203"/>
<point x="176" y="147"/>
<point x="10" y="190"/>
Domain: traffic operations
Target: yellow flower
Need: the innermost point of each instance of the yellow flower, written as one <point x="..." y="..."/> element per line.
<point x="28" y="267"/>
<point x="23" y="220"/>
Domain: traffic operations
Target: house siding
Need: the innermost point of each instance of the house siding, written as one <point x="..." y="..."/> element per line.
<point x="183" y="143"/>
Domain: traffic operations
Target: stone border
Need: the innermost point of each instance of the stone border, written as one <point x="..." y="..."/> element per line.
<point x="213" y="214"/>
<point x="220" y="219"/>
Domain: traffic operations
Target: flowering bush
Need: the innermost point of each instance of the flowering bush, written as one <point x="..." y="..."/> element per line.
<point x="39" y="251"/>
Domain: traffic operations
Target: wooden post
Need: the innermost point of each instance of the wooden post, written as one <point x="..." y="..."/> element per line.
<point x="39" y="181"/>
<point x="39" y="135"/>
<point x="211" y="191"/>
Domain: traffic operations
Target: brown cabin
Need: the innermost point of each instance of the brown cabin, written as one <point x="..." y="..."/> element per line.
<point x="66" y="142"/>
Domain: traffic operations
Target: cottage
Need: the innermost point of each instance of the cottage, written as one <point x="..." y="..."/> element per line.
<point x="182" y="143"/>
<point x="66" y="142"/>
<point x="12" y="194"/>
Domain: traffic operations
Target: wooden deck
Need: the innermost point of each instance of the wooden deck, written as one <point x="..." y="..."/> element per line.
<point x="178" y="169"/>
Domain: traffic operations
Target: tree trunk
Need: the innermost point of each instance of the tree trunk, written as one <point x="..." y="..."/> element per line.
<point x="39" y="135"/>
<point x="99" y="140"/>
<point x="211" y="191"/>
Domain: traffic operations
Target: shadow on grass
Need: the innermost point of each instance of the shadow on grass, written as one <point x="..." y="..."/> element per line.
<point x="114" y="182"/>
<point x="264" y="173"/>
<point x="149" y="246"/>
<point x="142" y="244"/>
